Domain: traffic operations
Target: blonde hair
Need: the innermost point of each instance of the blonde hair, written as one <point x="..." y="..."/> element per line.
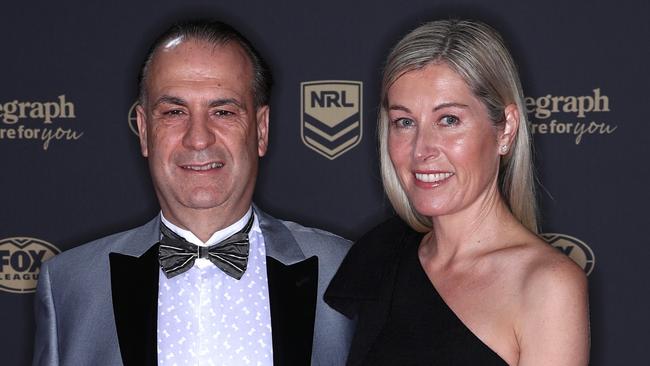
<point x="477" y="53"/>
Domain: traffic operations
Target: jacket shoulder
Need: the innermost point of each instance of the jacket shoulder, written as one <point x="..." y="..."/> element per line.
<point x="91" y="254"/>
<point x="304" y="234"/>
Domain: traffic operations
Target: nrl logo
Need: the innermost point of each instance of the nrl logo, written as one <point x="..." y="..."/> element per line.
<point x="331" y="116"/>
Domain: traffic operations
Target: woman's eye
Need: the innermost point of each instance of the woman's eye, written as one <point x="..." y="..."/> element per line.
<point x="404" y="122"/>
<point x="449" y="120"/>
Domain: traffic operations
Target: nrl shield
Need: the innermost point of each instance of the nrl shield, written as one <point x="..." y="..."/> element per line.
<point x="331" y="116"/>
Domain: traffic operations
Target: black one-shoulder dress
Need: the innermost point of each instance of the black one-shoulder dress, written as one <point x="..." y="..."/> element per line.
<point x="401" y="318"/>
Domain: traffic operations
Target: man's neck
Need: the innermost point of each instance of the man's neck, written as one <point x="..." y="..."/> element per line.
<point x="201" y="225"/>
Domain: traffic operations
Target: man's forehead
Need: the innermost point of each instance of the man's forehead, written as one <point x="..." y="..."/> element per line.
<point x="183" y="45"/>
<point x="184" y="62"/>
<point x="182" y="53"/>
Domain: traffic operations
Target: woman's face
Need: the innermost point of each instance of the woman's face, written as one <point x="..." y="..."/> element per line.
<point x="441" y="142"/>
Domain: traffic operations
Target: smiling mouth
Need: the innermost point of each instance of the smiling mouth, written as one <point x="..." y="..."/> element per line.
<point x="203" y="167"/>
<point x="432" y="178"/>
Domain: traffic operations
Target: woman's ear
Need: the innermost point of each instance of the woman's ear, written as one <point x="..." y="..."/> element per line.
<point x="507" y="134"/>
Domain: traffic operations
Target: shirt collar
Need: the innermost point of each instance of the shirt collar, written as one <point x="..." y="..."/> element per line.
<point x="216" y="237"/>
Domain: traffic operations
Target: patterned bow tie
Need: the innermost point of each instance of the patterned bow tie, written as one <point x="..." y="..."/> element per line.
<point x="176" y="255"/>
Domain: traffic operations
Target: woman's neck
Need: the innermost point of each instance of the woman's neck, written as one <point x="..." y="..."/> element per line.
<point x="469" y="232"/>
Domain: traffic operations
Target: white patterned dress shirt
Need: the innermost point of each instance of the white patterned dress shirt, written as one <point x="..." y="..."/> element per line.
<point x="206" y="317"/>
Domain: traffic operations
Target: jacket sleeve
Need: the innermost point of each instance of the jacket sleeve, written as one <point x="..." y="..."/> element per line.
<point x="46" y="342"/>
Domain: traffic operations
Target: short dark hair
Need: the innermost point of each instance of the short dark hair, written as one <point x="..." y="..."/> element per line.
<point x="218" y="34"/>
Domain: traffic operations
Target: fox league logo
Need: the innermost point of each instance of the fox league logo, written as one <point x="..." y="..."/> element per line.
<point x="574" y="248"/>
<point x="20" y="262"/>
<point x="331" y="116"/>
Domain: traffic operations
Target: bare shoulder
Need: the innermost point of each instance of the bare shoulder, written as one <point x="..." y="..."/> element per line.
<point x="552" y="313"/>
<point x="540" y="273"/>
<point x="549" y="272"/>
<point x="534" y="268"/>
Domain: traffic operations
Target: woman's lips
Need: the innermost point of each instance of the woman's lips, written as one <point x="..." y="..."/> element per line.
<point x="431" y="179"/>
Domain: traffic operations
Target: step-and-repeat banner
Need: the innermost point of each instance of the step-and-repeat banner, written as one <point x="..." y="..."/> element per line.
<point x="72" y="170"/>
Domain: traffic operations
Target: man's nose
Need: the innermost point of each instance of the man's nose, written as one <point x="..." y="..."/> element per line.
<point x="198" y="135"/>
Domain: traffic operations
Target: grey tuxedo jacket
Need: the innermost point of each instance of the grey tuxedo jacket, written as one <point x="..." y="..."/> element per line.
<point x="96" y="304"/>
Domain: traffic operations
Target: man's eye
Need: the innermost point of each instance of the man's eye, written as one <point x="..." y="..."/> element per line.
<point x="449" y="120"/>
<point x="174" y="112"/>
<point x="223" y="113"/>
<point x="404" y="122"/>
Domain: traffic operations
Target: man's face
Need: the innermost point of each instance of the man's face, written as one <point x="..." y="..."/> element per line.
<point x="200" y="130"/>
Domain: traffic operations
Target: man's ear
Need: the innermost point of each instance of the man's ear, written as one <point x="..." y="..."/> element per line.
<point x="141" y="118"/>
<point x="262" y="130"/>
<point x="508" y="133"/>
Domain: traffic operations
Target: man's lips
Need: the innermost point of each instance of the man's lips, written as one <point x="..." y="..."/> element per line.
<point x="202" y="167"/>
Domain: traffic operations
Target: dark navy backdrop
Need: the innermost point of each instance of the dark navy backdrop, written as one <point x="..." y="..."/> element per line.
<point x="75" y="62"/>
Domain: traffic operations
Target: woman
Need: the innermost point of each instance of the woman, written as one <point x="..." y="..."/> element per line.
<point x="470" y="282"/>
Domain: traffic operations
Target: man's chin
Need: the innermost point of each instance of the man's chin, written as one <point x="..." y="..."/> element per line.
<point x="205" y="203"/>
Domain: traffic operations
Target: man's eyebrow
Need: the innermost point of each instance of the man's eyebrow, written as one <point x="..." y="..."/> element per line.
<point x="168" y="99"/>
<point x="227" y="101"/>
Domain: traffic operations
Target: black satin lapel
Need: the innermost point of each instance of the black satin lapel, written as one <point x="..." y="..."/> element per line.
<point x="292" y="293"/>
<point x="134" y="283"/>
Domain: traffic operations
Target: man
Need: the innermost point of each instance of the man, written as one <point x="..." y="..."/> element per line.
<point x="171" y="292"/>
